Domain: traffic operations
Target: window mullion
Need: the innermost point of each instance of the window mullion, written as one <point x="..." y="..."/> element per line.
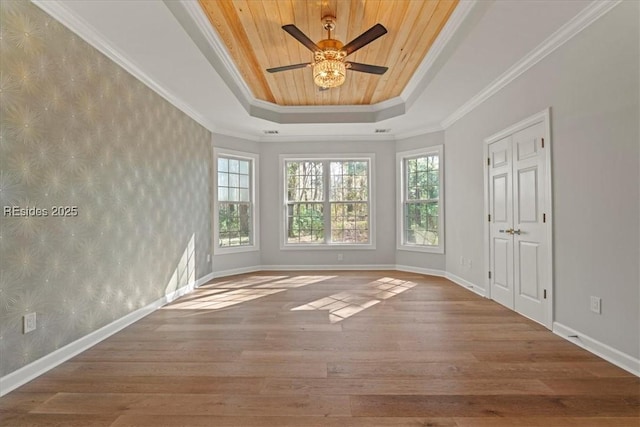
<point x="326" y="181"/>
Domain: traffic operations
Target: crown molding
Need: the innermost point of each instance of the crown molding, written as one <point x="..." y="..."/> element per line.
<point x="325" y="137"/>
<point x="235" y="134"/>
<point x="420" y="131"/>
<point x="582" y="20"/>
<point x="197" y="25"/>
<point x="93" y="37"/>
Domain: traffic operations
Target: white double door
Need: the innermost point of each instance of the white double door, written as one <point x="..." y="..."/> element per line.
<point x="519" y="261"/>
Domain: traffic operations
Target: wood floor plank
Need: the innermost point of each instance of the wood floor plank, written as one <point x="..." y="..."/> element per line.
<point x="358" y="356"/>
<point x="567" y="355"/>
<point x="609" y="386"/>
<point x="404" y="335"/>
<point x="495" y="406"/>
<point x="433" y="355"/>
<point x="227" y="421"/>
<point x="145" y="384"/>
<point x="548" y="422"/>
<point x="95" y="355"/>
<point x="191" y="369"/>
<point x="57" y="420"/>
<point x="404" y="370"/>
<point x="195" y="404"/>
<point x="291" y="327"/>
<point x="395" y="386"/>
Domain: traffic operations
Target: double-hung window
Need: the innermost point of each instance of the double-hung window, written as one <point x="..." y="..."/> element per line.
<point x="327" y="202"/>
<point x="235" y="222"/>
<point x="420" y="200"/>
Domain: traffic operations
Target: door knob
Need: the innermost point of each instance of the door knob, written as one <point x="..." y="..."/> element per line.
<point x="516" y="231"/>
<point x="509" y="231"/>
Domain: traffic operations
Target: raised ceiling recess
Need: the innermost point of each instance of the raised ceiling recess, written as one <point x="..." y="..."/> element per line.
<point x="252" y="32"/>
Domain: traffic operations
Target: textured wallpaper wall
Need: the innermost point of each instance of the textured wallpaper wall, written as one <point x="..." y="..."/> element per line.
<point x="78" y="131"/>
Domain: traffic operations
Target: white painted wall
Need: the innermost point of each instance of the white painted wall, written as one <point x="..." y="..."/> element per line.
<point x="592" y="86"/>
<point x="422" y="260"/>
<point x="228" y="263"/>
<point x="384" y="254"/>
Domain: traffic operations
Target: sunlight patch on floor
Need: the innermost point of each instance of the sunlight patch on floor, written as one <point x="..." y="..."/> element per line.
<point x="243" y="283"/>
<point x="345" y="304"/>
<point x="228" y="293"/>
<point x="226" y="299"/>
<point x="295" y="282"/>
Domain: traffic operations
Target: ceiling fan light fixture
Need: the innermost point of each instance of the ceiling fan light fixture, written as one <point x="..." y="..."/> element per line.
<point x="329" y="73"/>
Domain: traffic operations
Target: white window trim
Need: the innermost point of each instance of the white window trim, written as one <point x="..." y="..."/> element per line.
<point x="284" y="245"/>
<point x="255" y="223"/>
<point x="400" y="194"/>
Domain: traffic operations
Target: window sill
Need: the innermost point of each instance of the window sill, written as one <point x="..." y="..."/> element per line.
<point x="235" y="250"/>
<point x="327" y="247"/>
<point x="424" y="249"/>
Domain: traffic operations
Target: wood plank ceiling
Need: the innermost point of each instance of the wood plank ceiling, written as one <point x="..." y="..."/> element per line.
<point x="251" y="31"/>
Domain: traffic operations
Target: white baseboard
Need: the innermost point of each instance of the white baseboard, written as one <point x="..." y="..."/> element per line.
<point x="466" y="284"/>
<point x="34" y="369"/>
<point x="234" y="271"/>
<point x="420" y="270"/>
<point x="608" y="353"/>
<point x="204" y="279"/>
<point x="335" y="267"/>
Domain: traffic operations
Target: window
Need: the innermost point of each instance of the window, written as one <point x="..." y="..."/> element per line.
<point x="235" y="204"/>
<point x="327" y="201"/>
<point x="420" y="195"/>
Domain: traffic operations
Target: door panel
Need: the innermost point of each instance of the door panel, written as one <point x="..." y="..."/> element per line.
<point x="528" y="278"/>
<point x="529" y="243"/>
<point x="499" y="156"/>
<point x="501" y="265"/>
<point x="527" y="195"/>
<point x="501" y="211"/>
<point x="517" y="237"/>
<point x="526" y="147"/>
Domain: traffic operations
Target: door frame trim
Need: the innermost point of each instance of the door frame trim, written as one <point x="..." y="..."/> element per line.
<point x="544" y="117"/>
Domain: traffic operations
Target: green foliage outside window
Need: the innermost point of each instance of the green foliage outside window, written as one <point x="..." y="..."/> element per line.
<point x="343" y="195"/>
<point x="421" y="207"/>
<point x="234" y="202"/>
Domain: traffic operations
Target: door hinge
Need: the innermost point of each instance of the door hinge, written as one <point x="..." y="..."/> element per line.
<point x="544" y="217"/>
<point x="542" y="142"/>
<point x="489" y="217"/>
<point x="545" y="294"/>
<point x="489" y="275"/>
<point x="488" y="161"/>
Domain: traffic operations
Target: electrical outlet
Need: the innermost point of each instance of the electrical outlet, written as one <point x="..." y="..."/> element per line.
<point x="340" y="257"/>
<point x="461" y="261"/>
<point x="29" y="322"/>
<point x="596" y="305"/>
<point x="208" y="257"/>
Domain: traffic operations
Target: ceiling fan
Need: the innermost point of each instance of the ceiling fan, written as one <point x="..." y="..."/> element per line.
<point x="329" y="65"/>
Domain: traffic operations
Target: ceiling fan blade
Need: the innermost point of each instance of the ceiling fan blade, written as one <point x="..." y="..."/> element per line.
<point x="288" y="67"/>
<point x="301" y="37"/>
<point x="366" y="68"/>
<point x="365" y="38"/>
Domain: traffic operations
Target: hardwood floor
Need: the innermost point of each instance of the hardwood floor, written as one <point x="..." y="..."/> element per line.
<point x="292" y="349"/>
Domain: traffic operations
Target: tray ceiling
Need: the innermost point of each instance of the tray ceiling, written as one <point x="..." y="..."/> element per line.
<point x="251" y="31"/>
